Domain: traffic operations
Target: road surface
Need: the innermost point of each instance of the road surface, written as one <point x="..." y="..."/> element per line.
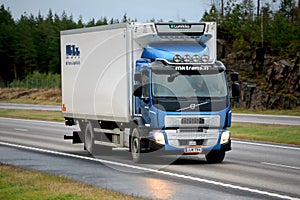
<point x="245" y="118"/>
<point x="266" y="119"/>
<point x="250" y="170"/>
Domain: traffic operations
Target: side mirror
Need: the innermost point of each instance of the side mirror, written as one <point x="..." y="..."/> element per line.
<point x="236" y="90"/>
<point x="234" y="76"/>
<point x="137" y="90"/>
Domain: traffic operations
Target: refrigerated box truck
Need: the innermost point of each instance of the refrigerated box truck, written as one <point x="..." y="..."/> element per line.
<point x="146" y="87"/>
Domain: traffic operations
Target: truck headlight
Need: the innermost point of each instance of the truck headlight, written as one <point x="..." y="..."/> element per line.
<point x="159" y="137"/>
<point x="225" y="137"/>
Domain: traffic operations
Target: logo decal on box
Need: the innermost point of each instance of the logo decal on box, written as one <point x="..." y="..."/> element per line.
<point x="72" y="55"/>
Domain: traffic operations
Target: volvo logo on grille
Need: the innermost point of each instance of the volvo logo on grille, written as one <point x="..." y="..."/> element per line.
<point x="192" y="106"/>
<point x="192" y="120"/>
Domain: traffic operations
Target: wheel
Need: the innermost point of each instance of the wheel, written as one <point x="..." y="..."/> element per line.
<point x="89" y="138"/>
<point x="135" y="146"/>
<point x="215" y="156"/>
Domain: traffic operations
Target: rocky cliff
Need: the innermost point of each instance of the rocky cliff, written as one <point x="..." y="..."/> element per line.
<point x="267" y="82"/>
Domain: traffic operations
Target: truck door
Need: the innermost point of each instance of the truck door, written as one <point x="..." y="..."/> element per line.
<point x="145" y="98"/>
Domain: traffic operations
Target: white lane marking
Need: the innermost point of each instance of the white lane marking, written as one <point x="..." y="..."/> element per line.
<point x="280" y="165"/>
<point x="154" y="171"/>
<point x="267" y="145"/>
<point x="21" y="129"/>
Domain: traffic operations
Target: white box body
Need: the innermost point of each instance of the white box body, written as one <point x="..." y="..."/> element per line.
<point x="97" y="72"/>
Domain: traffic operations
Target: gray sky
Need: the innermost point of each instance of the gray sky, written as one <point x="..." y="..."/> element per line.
<point x="143" y="10"/>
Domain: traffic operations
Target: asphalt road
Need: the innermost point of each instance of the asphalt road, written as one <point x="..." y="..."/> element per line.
<point x="29" y="107"/>
<point x="250" y="170"/>
<point x="266" y="119"/>
<point x="245" y="118"/>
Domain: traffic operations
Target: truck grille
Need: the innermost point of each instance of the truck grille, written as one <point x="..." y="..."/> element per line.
<point x="187" y="142"/>
<point x="192" y="120"/>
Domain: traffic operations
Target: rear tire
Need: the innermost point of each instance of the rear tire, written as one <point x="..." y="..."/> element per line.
<point x="215" y="156"/>
<point x="89" y="138"/>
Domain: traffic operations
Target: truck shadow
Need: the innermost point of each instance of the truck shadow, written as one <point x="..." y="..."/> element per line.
<point x="152" y="158"/>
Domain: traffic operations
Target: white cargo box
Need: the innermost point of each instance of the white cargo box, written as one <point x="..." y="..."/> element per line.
<point x="96" y="73"/>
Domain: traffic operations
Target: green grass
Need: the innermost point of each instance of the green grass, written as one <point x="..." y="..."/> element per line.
<point x="265" y="132"/>
<point x="16" y="183"/>
<point x="32" y="114"/>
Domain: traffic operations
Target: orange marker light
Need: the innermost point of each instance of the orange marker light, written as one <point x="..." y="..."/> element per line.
<point x="64" y="108"/>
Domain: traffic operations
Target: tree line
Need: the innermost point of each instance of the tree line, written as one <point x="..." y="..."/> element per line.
<point x="277" y="32"/>
<point x="32" y="43"/>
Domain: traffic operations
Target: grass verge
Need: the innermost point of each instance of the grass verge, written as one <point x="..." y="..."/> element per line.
<point x="16" y="183"/>
<point x="32" y="114"/>
<point x="265" y="132"/>
<point x="49" y="96"/>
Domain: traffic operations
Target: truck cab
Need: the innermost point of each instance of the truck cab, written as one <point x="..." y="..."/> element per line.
<point x="181" y="93"/>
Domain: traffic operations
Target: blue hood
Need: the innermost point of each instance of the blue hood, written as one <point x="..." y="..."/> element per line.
<point x="168" y="51"/>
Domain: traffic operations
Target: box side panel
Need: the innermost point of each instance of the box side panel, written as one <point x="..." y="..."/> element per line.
<point x="95" y="75"/>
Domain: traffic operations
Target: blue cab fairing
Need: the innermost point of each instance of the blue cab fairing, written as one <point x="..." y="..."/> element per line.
<point x="154" y="116"/>
<point x="168" y="51"/>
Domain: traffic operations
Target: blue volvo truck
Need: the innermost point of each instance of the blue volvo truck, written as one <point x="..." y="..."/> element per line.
<point x="147" y="87"/>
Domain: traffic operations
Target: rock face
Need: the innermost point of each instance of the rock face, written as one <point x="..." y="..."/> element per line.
<point x="277" y="86"/>
<point x="283" y="83"/>
<point x="282" y="77"/>
<point x="266" y="81"/>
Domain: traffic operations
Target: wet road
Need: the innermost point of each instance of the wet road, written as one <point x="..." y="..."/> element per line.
<point x="245" y="118"/>
<point x="250" y="170"/>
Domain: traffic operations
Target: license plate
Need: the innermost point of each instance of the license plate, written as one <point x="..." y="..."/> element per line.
<point x="193" y="150"/>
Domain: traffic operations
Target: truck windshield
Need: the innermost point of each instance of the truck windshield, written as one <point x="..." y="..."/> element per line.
<point x="173" y="84"/>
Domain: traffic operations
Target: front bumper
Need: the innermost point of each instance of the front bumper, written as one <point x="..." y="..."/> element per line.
<point x="207" y="143"/>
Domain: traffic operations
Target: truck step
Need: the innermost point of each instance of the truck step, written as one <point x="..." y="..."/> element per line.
<point x="120" y="149"/>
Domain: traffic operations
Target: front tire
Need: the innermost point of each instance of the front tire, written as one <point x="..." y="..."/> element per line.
<point x="215" y="156"/>
<point x="135" y="146"/>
